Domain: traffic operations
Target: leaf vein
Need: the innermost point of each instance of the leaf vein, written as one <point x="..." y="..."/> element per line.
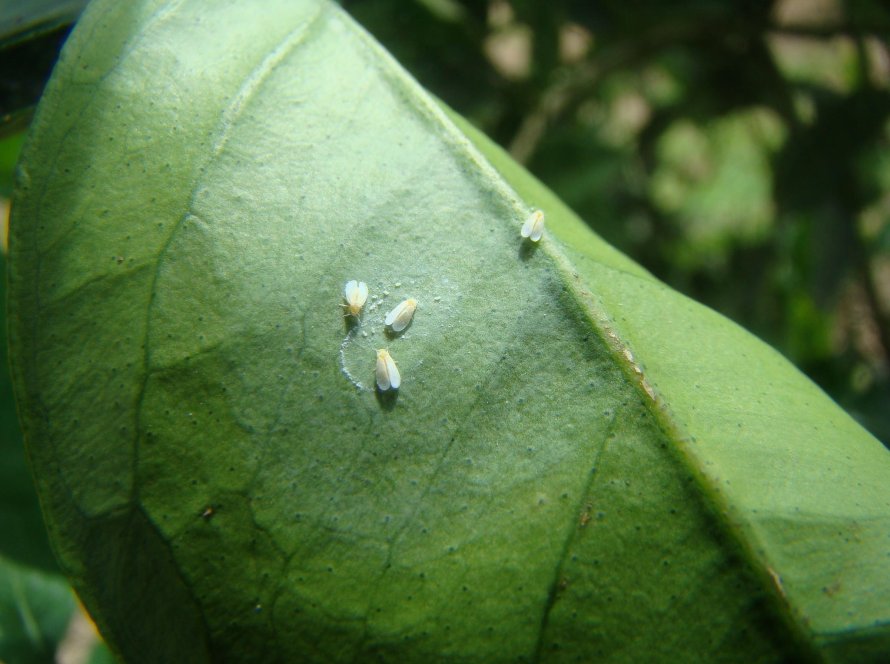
<point x="249" y="88"/>
<point x="571" y="532"/>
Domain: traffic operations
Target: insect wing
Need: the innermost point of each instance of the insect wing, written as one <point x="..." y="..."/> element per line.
<point x="395" y="378"/>
<point x="399" y="317"/>
<point x="388" y="376"/>
<point x="362" y="293"/>
<point x="533" y="228"/>
<point x="356" y="294"/>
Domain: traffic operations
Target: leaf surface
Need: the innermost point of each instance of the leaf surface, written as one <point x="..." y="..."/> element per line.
<point x="23" y="536"/>
<point x="579" y="464"/>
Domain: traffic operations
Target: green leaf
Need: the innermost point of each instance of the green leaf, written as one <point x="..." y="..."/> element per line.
<point x="35" y="608"/>
<point x="23" y="533"/>
<point x="10" y="148"/>
<point x="100" y="654"/>
<point x="580" y="463"/>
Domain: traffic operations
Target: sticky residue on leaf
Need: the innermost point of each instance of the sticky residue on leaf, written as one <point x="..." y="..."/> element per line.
<point x="343" y="368"/>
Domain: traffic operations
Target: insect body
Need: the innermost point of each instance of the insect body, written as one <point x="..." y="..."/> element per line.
<point x="533" y="228"/>
<point x="356" y="294"/>
<point x="388" y="376"/>
<point x="398" y="318"/>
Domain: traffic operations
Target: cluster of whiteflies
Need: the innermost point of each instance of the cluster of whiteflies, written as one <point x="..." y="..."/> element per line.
<point x="356" y="294"/>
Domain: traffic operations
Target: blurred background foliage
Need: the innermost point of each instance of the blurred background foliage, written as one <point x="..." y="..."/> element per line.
<point x="738" y="150"/>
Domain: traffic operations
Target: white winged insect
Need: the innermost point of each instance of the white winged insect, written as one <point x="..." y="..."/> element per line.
<point x="401" y="315"/>
<point x="356" y="294"/>
<point x="533" y="228"/>
<point x="388" y="376"/>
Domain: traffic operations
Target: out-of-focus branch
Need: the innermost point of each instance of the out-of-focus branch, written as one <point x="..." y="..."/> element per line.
<point x="831" y="31"/>
<point x="879" y="314"/>
<point x="574" y="84"/>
